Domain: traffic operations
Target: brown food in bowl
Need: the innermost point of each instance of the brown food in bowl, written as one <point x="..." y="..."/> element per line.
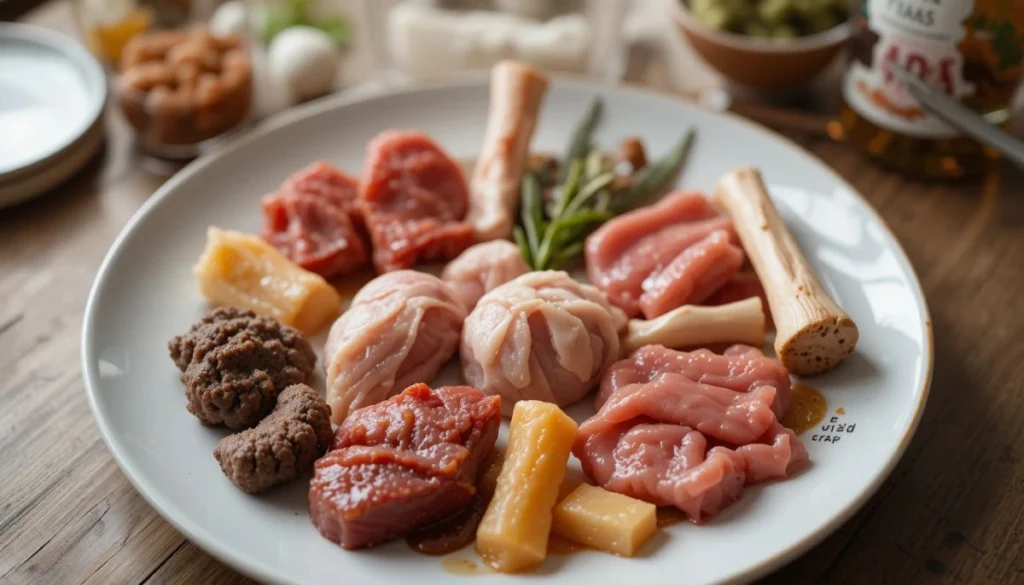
<point x="183" y="87"/>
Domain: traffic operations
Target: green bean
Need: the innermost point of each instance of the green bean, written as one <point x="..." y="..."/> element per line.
<point x="591" y="189"/>
<point x="532" y="212"/>
<point x="569" y="188"/>
<point x="524" y="246"/>
<point x="649" y="180"/>
<point x="580" y="143"/>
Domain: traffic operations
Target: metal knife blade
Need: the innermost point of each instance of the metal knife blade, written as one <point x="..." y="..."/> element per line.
<point x="960" y="117"/>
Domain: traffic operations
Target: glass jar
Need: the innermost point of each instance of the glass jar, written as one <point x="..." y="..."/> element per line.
<point x="969" y="49"/>
<point x="432" y="39"/>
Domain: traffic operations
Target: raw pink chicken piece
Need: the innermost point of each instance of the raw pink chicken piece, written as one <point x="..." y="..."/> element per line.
<point x="483" y="267"/>
<point x="665" y="464"/>
<point x="625" y="251"/>
<point x="693" y="276"/>
<point x="732" y="417"/>
<point x="660" y="409"/>
<point x="743" y="285"/>
<point x="399" y="330"/>
<point x="776" y="455"/>
<point x="542" y="336"/>
<point x="741" y="368"/>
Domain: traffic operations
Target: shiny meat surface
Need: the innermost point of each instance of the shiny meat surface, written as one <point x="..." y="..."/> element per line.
<point x="482" y="268"/>
<point x="413" y="200"/>
<point x="692" y="276"/>
<point x="311" y="219"/>
<point x="629" y="250"/>
<point x="740" y="368"/>
<point x="517" y="92"/>
<point x="399" y="330"/>
<point x="689" y="429"/>
<point x="743" y="285"/>
<point x="403" y="463"/>
<point x="541" y="336"/>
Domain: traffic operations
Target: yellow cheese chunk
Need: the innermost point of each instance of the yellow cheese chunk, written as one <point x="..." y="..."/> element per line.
<point x="242" y="271"/>
<point x="513" y="534"/>
<point x="605" y="520"/>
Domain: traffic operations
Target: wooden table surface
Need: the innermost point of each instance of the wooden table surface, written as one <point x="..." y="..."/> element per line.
<point x="952" y="511"/>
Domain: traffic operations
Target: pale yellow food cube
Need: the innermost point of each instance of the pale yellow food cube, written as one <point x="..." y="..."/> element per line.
<point x="513" y="534"/>
<point x="242" y="271"/>
<point x="605" y="520"/>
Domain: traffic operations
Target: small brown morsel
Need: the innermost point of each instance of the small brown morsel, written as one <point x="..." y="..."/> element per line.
<point x="282" y="446"/>
<point x="234" y="363"/>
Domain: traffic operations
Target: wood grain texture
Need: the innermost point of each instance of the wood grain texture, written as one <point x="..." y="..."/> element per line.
<point x="952" y="512"/>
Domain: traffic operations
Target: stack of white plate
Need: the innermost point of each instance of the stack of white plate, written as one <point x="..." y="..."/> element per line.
<point x="52" y="96"/>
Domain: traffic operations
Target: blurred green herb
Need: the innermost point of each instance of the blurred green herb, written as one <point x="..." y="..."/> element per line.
<point x="590" y="193"/>
<point x="288" y="13"/>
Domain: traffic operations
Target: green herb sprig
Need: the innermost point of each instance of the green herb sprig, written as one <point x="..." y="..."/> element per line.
<point x="551" y="235"/>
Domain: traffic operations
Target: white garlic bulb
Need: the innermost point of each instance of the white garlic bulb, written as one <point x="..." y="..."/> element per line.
<point x="305" y="60"/>
<point x="230" y="18"/>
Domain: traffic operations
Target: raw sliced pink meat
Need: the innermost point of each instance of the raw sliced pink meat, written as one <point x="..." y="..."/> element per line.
<point x="310" y="220"/>
<point x="413" y="200"/>
<point x="741" y="368"/>
<point x="733" y="417"/>
<point x="661" y="436"/>
<point x="628" y="249"/>
<point x="776" y="455"/>
<point x="743" y="285"/>
<point x="693" y="276"/>
<point x="665" y="464"/>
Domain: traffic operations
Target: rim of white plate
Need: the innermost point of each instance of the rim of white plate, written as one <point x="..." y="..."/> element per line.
<point x="264" y="573"/>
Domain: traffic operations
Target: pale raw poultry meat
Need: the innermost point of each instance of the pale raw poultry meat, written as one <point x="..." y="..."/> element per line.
<point x="403" y="463"/>
<point x="640" y="259"/>
<point x="740" y="368"/>
<point x="311" y="219"/>
<point x="517" y="92"/>
<point x="542" y="336"/>
<point x="413" y="200"/>
<point x="399" y="330"/>
<point x="482" y="268"/>
<point x="692" y="276"/>
<point x="661" y="410"/>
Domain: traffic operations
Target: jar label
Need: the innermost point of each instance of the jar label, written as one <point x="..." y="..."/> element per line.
<point x="924" y="37"/>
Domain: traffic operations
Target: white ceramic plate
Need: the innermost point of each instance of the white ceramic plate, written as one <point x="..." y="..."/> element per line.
<point x="144" y="294"/>
<point x="52" y="92"/>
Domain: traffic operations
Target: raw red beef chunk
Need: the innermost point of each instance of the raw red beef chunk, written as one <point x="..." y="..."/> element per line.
<point x="413" y="199"/>
<point x="659" y="257"/>
<point x="406" y="462"/>
<point x="310" y="219"/>
<point x="740" y="368"/>
<point x="688" y="429"/>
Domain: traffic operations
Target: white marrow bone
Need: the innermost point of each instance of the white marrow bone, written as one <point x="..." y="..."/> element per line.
<point x="692" y="326"/>
<point x="517" y="92"/>
<point x="812" y="333"/>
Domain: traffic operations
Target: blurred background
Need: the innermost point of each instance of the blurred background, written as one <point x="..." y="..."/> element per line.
<point x="185" y="75"/>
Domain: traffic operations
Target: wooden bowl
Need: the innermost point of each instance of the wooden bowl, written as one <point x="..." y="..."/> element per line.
<point x="761" y="64"/>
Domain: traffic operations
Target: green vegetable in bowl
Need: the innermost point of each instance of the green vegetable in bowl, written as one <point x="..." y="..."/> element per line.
<point x="770" y="19"/>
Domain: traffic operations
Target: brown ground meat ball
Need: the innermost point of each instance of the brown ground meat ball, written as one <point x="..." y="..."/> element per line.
<point x="234" y="363"/>
<point x="282" y="446"/>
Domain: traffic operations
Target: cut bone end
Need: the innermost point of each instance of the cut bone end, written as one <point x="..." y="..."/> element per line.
<point x="818" y="346"/>
<point x="692" y="326"/>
